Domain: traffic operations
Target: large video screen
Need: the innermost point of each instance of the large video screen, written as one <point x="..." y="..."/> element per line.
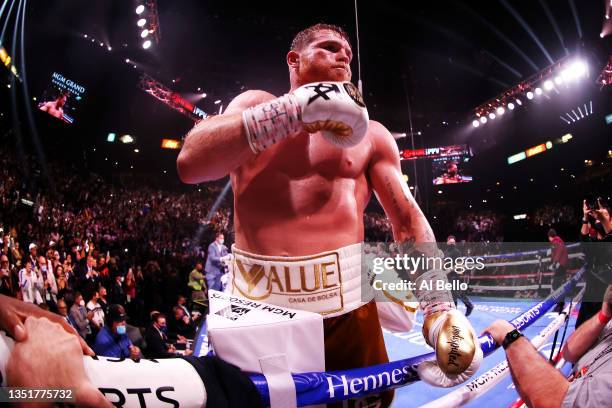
<point x="62" y="98"/>
<point x="450" y="170"/>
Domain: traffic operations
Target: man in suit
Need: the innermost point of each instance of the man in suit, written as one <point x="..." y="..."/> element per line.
<point x="81" y="317"/>
<point x="213" y="268"/>
<point x="62" y="309"/>
<point x="157" y="339"/>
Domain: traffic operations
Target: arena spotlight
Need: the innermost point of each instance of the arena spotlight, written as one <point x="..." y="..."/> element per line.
<point x="558" y="80"/>
<point x="529" y="95"/>
<point x="548" y="85"/>
<point x="475" y="123"/>
<point x="146" y="45"/>
<point x="578" y="68"/>
<point x="491" y="116"/>
<point x="538" y="91"/>
<point x="511" y="106"/>
<point x="574" y="71"/>
<point x="500" y="111"/>
<point x="483" y="119"/>
<point x="140" y="9"/>
<point x="203" y="95"/>
<point x="218" y="101"/>
<point x="141" y="22"/>
<point x="519" y="102"/>
<point x="144" y="33"/>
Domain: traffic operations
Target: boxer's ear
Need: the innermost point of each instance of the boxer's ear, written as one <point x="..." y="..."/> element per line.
<point x="293" y="59"/>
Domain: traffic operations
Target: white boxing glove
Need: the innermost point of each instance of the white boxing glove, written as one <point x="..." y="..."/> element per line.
<point x="336" y="109"/>
<point x="458" y="351"/>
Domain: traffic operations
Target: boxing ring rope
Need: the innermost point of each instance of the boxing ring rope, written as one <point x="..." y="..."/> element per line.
<point x="483" y="384"/>
<point x="526" y="253"/>
<point x="326" y="387"/>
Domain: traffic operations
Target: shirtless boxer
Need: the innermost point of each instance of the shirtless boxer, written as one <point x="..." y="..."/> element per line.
<point x="55" y="108"/>
<point x="303" y="168"/>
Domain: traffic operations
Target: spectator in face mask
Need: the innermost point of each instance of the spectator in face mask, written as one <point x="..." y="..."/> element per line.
<point x="214" y="268"/>
<point x="112" y="340"/>
<point x="157" y="339"/>
<point x="95" y="308"/>
<point x="117" y="294"/>
<point x="78" y="312"/>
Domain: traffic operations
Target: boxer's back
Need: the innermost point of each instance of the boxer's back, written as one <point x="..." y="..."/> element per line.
<point x="301" y="196"/>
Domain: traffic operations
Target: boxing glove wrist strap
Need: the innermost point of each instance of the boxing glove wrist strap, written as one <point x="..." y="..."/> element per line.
<point x="432" y="299"/>
<point x="271" y="122"/>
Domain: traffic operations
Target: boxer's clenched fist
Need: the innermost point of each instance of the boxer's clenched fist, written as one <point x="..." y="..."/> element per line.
<point x="336" y="109"/>
<point x="458" y="352"/>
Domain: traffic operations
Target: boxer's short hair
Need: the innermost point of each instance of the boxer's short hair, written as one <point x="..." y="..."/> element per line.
<point x="304" y="37"/>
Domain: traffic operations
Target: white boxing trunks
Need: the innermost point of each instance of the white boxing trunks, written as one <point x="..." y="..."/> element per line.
<point x="329" y="283"/>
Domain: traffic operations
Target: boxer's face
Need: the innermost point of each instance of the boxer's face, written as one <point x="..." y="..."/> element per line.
<point x="326" y="58"/>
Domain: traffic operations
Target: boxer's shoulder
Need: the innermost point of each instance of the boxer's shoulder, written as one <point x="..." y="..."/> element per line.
<point x="377" y="129"/>
<point x="247" y="99"/>
<point x="381" y="139"/>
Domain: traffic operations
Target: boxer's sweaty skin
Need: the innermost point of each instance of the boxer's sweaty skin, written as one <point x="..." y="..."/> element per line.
<point x="303" y="195"/>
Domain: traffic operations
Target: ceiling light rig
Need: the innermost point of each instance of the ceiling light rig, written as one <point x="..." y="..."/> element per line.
<point x="580" y="112"/>
<point x="147" y="21"/>
<point x="562" y="74"/>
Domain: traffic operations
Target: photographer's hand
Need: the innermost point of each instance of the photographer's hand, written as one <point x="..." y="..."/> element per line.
<point x="13" y="314"/>
<point x="60" y="366"/>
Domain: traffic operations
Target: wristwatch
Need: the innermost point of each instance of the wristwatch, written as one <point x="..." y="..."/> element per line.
<point x="511" y="337"/>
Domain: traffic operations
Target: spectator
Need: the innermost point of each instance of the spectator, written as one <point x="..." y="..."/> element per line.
<point x="197" y="283"/>
<point x="6" y="281"/>
<point x="182" y="303"/>
<point x="214" y="268"/>
<point x="81" y="317"/>
<point x="49" y="282"/>
<point x="558" y="261"/>
<point x="129" y="286"/>
<point x="180" y="324"/>
<point x="97" y="312"/>
<point x="62" y="309"/>
<point x="89" y="279"/>
<point x="31" y="283"/>
<point x="102" y="299"/>
<point x="33" y="251"/>
<point x="64" y="288"/>
<point x="112" y="340"/>
<point x="156" y="338"/>
<point x="118" y="296"/>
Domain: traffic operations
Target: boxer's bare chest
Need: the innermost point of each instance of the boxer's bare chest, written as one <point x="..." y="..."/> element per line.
<point x="304" y="164"/>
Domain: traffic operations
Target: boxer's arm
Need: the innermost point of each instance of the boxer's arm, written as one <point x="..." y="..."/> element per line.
<point x="218" y="145"/>
<point x="384" y="172"/>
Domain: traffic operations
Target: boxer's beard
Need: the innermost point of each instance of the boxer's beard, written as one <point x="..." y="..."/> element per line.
<point x="314" y="71"/>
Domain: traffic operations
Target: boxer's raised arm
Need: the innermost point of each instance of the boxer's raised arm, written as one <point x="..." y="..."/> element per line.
<point x="384" y="172"/>
<point x="218" y="145"/>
